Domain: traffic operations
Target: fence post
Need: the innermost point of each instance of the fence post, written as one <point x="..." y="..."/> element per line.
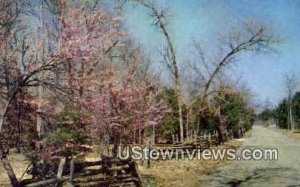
<point x="61" y="168"/>
<point x="148" y="161"/>
<point x="153" y="135"/>
<point x="71" y="170"/>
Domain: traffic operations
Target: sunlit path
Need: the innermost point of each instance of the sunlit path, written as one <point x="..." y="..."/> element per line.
<point x="283" y="172"/>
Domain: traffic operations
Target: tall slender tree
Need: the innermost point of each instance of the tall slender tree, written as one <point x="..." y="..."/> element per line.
<point x="160" y="18"/>
<point x="291" y="85"/>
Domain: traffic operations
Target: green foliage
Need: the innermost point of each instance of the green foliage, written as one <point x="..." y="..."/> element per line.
<point x="235" y="109"/>
<point x="69" y="135"/>
<point x="69" y="114"/>
<point x="248" y="125"/>
<point x="209" y="124"/>
<point x="281" y="114"/>
<point x="61" y="134"/>
<point x="266" y="115"/>
<point x="296" y="108"/>
<point x="170" y="124"/>
<point x="232" y="105"/>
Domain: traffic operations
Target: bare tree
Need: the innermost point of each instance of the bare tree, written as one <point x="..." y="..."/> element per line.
<point x="159" y="15"/>
<point x="290" y="84"/>
<point x="250" y="38"/>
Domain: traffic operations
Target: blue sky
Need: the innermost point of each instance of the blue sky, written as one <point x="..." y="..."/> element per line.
<point x="204" y="20"/>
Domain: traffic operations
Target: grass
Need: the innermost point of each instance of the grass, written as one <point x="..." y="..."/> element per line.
<point x="19" y="164"/>
<point x="181" y="172"/>
<point x="295" y="135"/>
<point x="177" y="172"/>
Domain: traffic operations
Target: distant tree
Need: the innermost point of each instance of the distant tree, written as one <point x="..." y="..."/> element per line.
<point x="266" y="115"/>
<point x="296" y="108"/>
<point x="281" y="114"/>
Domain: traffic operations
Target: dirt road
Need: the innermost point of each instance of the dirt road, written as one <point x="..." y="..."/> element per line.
<point x="282" y="172"/>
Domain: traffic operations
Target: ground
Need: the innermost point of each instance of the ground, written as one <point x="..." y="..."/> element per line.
<point x="181" y="172"/>
<point x="19" y="163"/>
<point x="282" y="172"/>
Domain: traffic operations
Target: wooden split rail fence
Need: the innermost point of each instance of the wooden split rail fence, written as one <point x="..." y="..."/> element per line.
<point x="105" y="172"/>
<point x="194" y="141"/>
<point x="212" y="138"/>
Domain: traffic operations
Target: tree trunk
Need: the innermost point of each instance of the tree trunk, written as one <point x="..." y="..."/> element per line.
<point x="179" y="102"/>
<point x="288" y="119"/>
<point x="38" y="118"/>
<point x="291" y="118"/>
<point x="3" y="115"/>
<point x="40" y="74"/>
<point x="187" y="124"/>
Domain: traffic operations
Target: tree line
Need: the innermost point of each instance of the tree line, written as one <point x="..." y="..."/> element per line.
<point x="281" y="113"/>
